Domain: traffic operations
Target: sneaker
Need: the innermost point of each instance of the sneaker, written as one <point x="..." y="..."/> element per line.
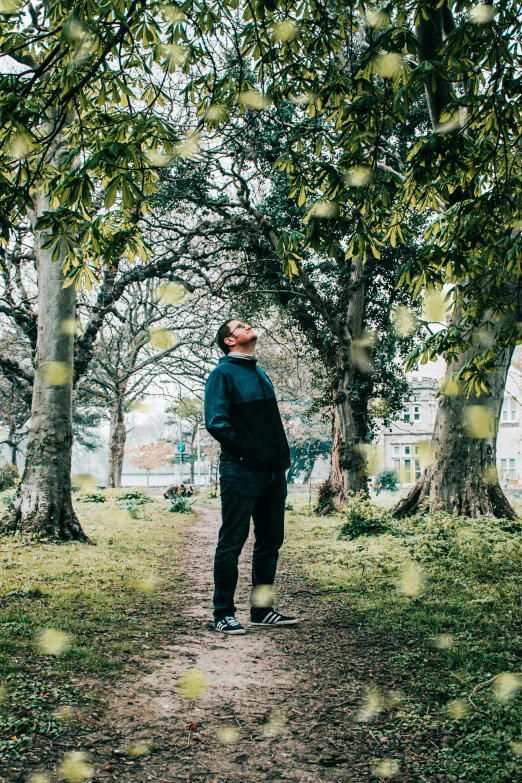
<point x="272" y="618"/>
<point x="229" y="625"/>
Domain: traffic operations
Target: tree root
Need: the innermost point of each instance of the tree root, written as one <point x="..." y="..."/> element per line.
<point x="43" y="522"/>
<point x="482" y="500"/>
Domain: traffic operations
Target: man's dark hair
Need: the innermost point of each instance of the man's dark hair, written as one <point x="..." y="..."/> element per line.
<point x="224" y="331"/>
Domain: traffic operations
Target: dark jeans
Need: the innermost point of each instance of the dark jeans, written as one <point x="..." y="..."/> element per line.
<point x="247" y="493"/>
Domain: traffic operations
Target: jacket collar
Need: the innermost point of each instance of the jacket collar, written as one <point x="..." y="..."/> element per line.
<point x="240" y="359"/>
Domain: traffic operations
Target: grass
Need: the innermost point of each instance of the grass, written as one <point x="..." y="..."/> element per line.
<point x="74" y="614"/>
<point x="449" y="590"/>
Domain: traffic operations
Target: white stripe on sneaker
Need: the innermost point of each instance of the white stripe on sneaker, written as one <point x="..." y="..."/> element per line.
<point x="272" y="617"/>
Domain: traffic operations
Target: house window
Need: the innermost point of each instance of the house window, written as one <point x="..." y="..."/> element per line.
<point x="396" y="450"/>
<point x="407" y="450"/>
<point x="407" y="413"/>
<point x="407" y="471"/>
<point x="417" y="469"/>
<point x="417" y="449"/>
<point x="508" y="468"/>
<point x="416" y="413"/>
<point x="397" y="466"/>
<point x="509" y="409"/>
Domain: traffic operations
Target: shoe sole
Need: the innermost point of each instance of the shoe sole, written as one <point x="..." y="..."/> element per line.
<point x="276" y="625"/>
<point x="230" y="633"/>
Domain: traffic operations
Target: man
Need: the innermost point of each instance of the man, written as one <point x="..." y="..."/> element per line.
<point x="241" y="413"/>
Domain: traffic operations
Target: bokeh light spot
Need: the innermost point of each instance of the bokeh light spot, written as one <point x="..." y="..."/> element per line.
<point x="53" y="642"/>
<point x="506" y="687"/>
<point x="386" y="768"/>
<point x="75" y="767"/>
<point x="229" y="735"/>
<point x="162" y="339"/>
<point x="457" y="709"/>
<point x="412" y="581"/>
<point x="478" y="422"/>
<point x="262" y="596"/>
<point x="55" y="373"/>
<point x="193" y="683"/>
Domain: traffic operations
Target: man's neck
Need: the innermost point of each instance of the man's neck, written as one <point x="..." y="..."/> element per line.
<point x="241" y="355"/>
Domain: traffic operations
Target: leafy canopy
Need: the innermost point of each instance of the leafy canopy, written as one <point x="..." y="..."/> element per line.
<point x="355" y="72"/>
<point x="87" y="117"/>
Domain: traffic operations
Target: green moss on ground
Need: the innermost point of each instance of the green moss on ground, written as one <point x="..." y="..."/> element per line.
<point x="450" y="590"/>
<point x="75" y="615"/>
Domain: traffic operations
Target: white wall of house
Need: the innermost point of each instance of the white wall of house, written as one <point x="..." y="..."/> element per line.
<point x="403" y="443"/>
<point x="406" y="442"/>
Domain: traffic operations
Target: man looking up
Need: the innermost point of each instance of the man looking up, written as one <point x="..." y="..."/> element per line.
<point x="241" y="413"/>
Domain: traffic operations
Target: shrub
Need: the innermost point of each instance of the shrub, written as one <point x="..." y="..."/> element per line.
<point x="135" y="496"/>
<point x="133" y="501"/>
<point x="8" y="499"/>
<point x="180" y="505"/>
<point x="92" y="497"/>
<point x="387" y="481"/>
<point x="9" y="476"/>
<point x="362" y="518"/>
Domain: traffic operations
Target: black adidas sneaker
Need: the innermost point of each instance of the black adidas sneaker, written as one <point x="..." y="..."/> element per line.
<point x="229" y="625"/>
<point x="269" y="617"/>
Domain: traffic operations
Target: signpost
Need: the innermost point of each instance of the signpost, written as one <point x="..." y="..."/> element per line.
<point x="181" y="448"/>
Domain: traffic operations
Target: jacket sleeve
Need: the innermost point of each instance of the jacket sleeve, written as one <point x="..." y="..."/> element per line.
<point x="217" y="413"/>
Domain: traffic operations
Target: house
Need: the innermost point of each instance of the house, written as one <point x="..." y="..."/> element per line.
<point x="407" y="440"/>
<point x="404" y="441"/>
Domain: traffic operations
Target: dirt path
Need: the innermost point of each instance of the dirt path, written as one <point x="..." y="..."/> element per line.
<point x="282" y="704"/>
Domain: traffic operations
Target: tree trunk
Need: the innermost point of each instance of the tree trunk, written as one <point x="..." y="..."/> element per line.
<point x="292" y="471"/>
<point x="43" y="504"/>
<point x="350" y="429"/>
<point x="117" y="439"/>
<point x="462" y="478"/>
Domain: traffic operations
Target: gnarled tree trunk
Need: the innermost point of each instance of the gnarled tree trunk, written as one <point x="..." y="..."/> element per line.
<point x="347" y="472"/>
<point x="117" y="438"/>
<point x="462" y="477"/>
<point x="43" y="505"/>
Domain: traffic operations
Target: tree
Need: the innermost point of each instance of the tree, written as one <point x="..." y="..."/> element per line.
<point x="152" y="456"/>
<point x="322" y="302"/>
<point x="293" y="369"/>
<point x="188" y="411"/>
<point x="182" y="267"/>
<point x="80" y="162"/>
<point x="136" y="349"/>
<point x="386" y="481"/>
<point x="43" y="502"/>
<point x="365" y="69"/>
<point x="14" y="413"/>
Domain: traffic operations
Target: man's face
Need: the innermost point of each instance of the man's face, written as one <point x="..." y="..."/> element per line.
<point x="241" y="335"/>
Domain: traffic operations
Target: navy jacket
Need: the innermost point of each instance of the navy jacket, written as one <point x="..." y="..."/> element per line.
<point x="241" y="413"/>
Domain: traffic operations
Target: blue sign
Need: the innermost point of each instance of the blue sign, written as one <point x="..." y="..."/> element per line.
<point x="181" y="447"/>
